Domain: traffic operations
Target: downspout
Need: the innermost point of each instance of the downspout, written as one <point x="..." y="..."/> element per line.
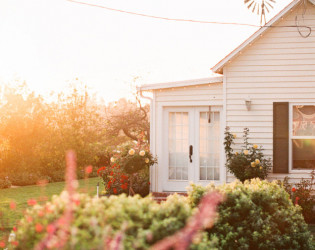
<point x="152" y="132"/>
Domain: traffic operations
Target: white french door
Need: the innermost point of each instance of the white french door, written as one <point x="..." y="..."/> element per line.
<point x="193" y="147"/>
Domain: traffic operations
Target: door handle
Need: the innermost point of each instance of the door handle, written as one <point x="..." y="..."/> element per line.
<point x="190" y="152"/>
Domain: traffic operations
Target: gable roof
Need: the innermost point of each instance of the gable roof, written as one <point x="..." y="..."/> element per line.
<point x="218" y="68"/>
<point x="166" y="85"/>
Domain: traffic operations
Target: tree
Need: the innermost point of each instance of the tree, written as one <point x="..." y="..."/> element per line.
<point x="127" y="120"/>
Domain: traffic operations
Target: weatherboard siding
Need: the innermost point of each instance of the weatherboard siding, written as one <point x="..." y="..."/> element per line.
<point x="278" y="67"/>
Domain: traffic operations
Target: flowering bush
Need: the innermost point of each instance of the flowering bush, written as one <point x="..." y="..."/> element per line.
<point x="145" y="222"/>
<point x="256" y="214"/>
<point x="128" y="171"/>
<point x="247" y="164"/>
<point x="302" y="194"/>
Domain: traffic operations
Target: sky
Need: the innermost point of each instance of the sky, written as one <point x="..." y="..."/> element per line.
<point x="51" y="43"/>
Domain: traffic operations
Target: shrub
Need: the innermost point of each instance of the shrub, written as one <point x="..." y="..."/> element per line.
<point x="5" y="182"/>
<point x="128" y="171"/>
<point x="247" y="164"/>
<point x="256" y="215"/>
<point x="145" y="221"/>
<point x="302" y="194"/>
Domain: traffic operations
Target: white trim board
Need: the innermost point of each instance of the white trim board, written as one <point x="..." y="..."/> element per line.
<point x="192" y="82"/>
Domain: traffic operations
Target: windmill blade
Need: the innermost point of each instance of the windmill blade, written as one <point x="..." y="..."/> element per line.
<point x="269" y="4"/>
<point x="267" y="8"/>
<point x="254" y="8"/>
<point x="248" y="7"/>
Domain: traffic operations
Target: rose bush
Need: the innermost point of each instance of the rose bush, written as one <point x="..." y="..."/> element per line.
<point x="301" y="194"/>
<point x="128" y="171"/>
<point x="248" y="163"/>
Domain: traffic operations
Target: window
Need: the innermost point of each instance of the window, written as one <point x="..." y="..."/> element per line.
<point x="302" y="137"/>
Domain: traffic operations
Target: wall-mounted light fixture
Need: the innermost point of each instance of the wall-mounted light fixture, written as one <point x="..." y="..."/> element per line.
<point x="248" y="103"/>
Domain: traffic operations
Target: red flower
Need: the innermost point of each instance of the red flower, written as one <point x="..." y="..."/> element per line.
<point x="39" y="228"/>
<point x="2" y="244"/>
<point x="111" y="173"/>
<point x="115" y="191"/>
<point x="149" y="183"/>
<point x="293" y="189"/>
<point x="297" y="200"/>
<point x="31" y="202"/>
<point x="14" y="229"/>
<point x="15" y="243"/>
<point x="12" y="205"/>
<point x="108" y="185"/>
<point x="100" y="169"/>
<point x="88" y="169"/>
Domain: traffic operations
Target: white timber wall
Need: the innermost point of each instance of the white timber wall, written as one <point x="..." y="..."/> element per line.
<point x="180" y="97"/>
<point x="278" y="67"/>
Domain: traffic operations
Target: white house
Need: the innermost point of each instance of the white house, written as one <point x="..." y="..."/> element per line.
<point x="267" y="84"/>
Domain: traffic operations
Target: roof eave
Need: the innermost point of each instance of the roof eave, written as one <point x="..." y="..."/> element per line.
<point x="218" y="68"/>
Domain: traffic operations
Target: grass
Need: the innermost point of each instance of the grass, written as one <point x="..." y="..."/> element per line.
<point x="20" y="195"/>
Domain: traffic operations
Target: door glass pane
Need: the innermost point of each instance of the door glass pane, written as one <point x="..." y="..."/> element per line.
<point x="209" y="146"/>
<point x="178" y="132"/>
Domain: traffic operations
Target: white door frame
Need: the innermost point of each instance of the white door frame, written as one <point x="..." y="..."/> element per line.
<point x="160" y="140"/>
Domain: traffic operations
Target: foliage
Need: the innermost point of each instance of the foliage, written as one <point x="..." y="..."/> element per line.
<point x="247" y="164"/>
<point x="5" y="182"/>
<point x="34" y="134"/>
<point x="302" y="194"/>
<point x="145" y="221"/>
<point x="256" y="215"/>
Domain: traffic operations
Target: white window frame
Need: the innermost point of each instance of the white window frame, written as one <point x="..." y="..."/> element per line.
<point x="291" y="137"/>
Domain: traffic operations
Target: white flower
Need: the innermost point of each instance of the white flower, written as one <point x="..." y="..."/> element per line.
<point x="11" y="237"/>
<point x="142" y="153"/>
<point x="257" y="161"/>
<point x="245" y="152"/>
<point x="112" y="159"/>
<point x="131" y="151"/>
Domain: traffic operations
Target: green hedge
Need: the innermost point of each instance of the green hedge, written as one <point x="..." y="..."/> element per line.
<point x="256" y="215"/>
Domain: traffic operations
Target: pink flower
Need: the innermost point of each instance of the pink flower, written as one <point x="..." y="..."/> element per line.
<point x="50" y="228"/>
<point x="12" y="205"/>
<point x="31" y="202"/>
<point x="88" y="169"/>
<point x="39" y="228"/>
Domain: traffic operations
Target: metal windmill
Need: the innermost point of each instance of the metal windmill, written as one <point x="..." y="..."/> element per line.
<point x="260" y="7"/>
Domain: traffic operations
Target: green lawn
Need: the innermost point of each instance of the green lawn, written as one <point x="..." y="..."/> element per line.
<point x="21" y="195"/>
